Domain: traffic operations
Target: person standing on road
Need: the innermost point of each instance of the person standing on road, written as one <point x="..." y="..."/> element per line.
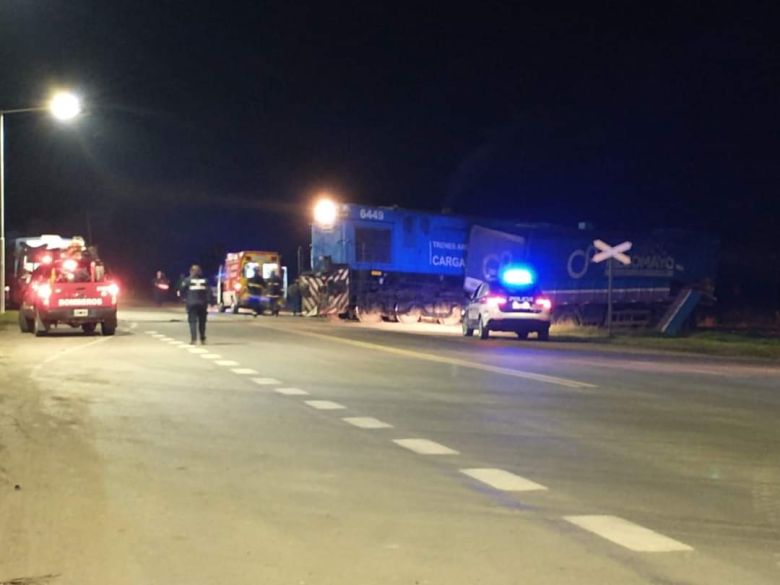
<point x="197" y="293"/>
<point x="161" y="285"/>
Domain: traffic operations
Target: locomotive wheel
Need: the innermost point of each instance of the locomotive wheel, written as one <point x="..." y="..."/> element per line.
<point x="369" y="314"/>
<point x="410" y="316"/>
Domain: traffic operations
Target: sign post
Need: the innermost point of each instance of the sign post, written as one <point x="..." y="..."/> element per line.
<point x="610" y="254"/>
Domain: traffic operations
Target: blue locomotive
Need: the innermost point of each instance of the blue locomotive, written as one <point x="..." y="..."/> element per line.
<point x="407" y="265"/>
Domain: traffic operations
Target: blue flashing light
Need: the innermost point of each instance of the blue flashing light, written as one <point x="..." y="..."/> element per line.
<point x="518" y="276"/>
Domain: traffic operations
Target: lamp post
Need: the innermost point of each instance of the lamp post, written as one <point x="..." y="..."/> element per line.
<point x="64" y="106"/>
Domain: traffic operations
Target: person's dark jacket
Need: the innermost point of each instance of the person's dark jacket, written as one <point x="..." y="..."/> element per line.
<point x="195" y="290"/>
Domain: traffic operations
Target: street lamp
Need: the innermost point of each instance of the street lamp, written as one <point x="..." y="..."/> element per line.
<point x="325" y="212"/>
<point x="64" y="106"/>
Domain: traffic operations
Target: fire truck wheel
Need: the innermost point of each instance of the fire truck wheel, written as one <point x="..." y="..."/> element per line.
<point x="88" y="328"/>
<point x="25" y="325"/>
<point x="108" y="327"/>
<point x="39" y="327"/>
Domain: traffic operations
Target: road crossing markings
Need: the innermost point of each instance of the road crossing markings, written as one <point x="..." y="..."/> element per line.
<point x="367" y="422"/>
<point x="425" y="447"/>
<point x="627" y="534"/>
<point x="503" y="480"/>
<point x="244" y="371"/>
<point x="289" y="391"/>
<point x="267" y="381"/>
<point x="226" y="363"/>
<point x="431" y="357"/>
<point x="211" y="356"/>
<point x="325" y="405"/>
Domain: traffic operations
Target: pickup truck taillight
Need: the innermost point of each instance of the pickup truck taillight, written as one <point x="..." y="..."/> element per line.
<point x="110" y="289"/>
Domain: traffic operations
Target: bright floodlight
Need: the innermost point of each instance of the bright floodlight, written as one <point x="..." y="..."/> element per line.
<point x="64" y="106"/>
<point x="518" y="276"/>
<point x="325" y="212"/>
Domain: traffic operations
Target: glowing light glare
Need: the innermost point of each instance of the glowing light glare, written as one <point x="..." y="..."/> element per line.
<point x="325" y="212"/>
<point x="70" y="265"/>
<point x="496" y="301"/>
<point x="44" y="291"/>
<point x="46" y="259"/>
<point x="545" y="304"/>
<point x="113" y="289"/>
<point x="64" y="106"/>
<point x="518" y="276"/>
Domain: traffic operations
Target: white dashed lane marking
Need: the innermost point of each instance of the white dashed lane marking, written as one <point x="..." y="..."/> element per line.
<point x="290" y="391"/>
<point x="425" y="447"/>
<point x="244" y="371"/>
<point x="227" y="363"/>
<point x="627" y="534"/>
<point x="503" y="480"/>
<point x="266" y="381"/>
<point x="366" y="422"/>
<point x="197" y="350"/>
<point x="211" y="356"/>
<point x="325" y="405"/>
<point x="150" y="332"/>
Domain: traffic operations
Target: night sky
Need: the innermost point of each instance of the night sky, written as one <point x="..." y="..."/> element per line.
<point x="212" y="125"/>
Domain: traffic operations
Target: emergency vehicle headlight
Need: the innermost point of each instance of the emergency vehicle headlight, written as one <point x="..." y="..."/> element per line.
<point x="47" y="259"/>
<point x="43" y="291"/>
<point x="518" y="276"/>
<point x="325" y="212"/>
<point x="70" y="265"/>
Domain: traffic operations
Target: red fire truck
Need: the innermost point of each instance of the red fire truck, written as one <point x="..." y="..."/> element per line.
<point x="32" y="251"/>
<point x="73" y="290"/>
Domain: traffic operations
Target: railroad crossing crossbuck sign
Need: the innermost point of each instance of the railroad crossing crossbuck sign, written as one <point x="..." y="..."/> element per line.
<point x="605" y="252"/>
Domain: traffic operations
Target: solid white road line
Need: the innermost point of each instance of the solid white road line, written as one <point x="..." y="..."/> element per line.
<point x="425" y="447"/>
<point x="210" y="356"/>
<point x="266" y="381"/>
<point x="289" y="391"/>
<point x="450" y="361"/>
<point x="325" y="405"/>
<point x="627" y="534"/>
<point x="227" y="363"/>
<point x="503" y="480"/>
<point x="366" y="422"/>
<point x="244" y="371"/>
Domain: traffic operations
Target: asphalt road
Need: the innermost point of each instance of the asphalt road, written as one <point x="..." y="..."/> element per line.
<point x="294" y="451"/>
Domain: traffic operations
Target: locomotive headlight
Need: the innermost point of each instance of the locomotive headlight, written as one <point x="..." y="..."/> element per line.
<point x="325" y="213"/>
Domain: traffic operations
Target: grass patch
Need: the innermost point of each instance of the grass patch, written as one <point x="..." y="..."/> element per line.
<point x="9" y="319"/>
<point x="719" y="343"/>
